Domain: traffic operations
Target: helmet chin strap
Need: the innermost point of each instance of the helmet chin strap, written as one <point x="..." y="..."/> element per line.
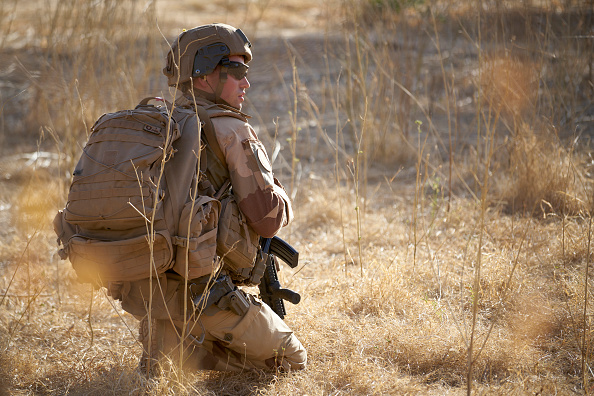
<point x="221" y="83"/>
<point x="215" y="96"/>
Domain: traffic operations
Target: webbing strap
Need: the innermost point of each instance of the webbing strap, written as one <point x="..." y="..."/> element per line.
<point x="121" y="137"/>
<point x="209" y="133"/>
<point x="134" y="125"/>
<point x="108" y="193"/>
<point x="194" y="242"/>
<point x="107" y="175"/>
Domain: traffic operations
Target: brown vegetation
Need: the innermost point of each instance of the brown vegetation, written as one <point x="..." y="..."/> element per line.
<point x="438" y="154"/>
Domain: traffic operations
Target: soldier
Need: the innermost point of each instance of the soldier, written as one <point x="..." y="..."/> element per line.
<point x="231" y="330"/>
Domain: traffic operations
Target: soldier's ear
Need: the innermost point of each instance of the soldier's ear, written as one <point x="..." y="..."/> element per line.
<point x="201" y="83"/>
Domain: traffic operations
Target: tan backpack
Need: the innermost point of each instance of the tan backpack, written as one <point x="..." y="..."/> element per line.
<point x="129" y="215"/>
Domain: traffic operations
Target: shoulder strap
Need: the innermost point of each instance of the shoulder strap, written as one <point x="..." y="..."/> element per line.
<point x="179" y="172"/>
<point x="209" y="134"/>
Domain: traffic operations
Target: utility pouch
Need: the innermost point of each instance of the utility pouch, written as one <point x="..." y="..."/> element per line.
<point x="120" y="260"/>
<point x="196" y="240"/>
<point x="237" y="242"/>
<point x="64" y="231"/>
<point x="259" y="268"/>
<point x="236" y="302"/>
<point x="251" y="276"/>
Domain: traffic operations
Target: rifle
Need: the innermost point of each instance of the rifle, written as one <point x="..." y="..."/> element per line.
<point x="270" y="289"/>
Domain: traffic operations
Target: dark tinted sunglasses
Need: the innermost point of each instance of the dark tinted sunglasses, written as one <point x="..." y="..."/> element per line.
<point x="237" y="70"/>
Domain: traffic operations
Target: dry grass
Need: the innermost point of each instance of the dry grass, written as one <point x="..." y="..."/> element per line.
<point x="441" y="175"/>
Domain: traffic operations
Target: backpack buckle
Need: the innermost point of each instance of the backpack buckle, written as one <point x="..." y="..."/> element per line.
<point x="183" y="242"/>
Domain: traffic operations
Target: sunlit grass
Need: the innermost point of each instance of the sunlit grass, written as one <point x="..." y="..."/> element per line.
<point x="396" y="145"/>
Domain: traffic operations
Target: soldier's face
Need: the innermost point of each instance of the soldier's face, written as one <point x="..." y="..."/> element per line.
<point x="234" y="90"/>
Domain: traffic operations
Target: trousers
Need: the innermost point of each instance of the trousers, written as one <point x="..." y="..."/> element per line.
<point x="222" y="341"/>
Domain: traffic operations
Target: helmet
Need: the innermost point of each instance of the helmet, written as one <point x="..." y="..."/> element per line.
<point x="196" y="52"/>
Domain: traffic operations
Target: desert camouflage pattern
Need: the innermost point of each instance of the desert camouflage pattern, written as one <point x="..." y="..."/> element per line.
<point x="261" y="198"/>
<point x="258" y="340"/>
<point x="221" y="340"/>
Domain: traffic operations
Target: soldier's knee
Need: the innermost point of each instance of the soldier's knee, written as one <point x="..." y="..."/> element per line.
<point x="292" y="357"/>
<point x="298" y="361"/>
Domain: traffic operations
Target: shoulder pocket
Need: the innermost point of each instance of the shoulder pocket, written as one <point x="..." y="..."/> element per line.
<point x="258" y="162"/>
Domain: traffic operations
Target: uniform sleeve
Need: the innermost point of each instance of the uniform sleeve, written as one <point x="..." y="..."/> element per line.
<point x="261" y="198"/>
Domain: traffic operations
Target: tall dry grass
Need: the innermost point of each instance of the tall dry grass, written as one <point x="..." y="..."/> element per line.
<point x="439" y="160"/>
<point x="84" y="59"/>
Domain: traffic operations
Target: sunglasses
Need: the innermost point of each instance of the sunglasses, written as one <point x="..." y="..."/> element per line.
<point x="237" y="70"/>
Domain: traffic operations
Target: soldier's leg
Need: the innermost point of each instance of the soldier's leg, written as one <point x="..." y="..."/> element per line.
<point x="258" y="339"/>
<point x="162" y="346"/>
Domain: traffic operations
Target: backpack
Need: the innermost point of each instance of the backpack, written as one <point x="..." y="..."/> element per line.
<point x="129" y="215"/>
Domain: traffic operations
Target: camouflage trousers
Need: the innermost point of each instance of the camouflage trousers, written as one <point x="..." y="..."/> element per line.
<point x="223" y="341"/>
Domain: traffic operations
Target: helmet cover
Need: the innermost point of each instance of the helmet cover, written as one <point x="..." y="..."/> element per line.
<point x="197" y="52"/>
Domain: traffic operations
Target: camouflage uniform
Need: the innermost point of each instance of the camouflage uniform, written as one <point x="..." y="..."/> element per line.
<point x="257" y="340"/>
<point x="222" y="334"/>
<point x="259" y="195"/>
<point x="217" y="337"/>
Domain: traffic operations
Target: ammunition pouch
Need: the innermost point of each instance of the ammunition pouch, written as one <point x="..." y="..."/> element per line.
<point x="251" y="276"/>
<point x="237" y="242"/>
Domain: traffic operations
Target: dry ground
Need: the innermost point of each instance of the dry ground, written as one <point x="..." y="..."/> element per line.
<point x="402" y="273"/>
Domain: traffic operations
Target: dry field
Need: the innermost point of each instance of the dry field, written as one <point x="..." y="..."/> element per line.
<point x="439" y="156"/>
